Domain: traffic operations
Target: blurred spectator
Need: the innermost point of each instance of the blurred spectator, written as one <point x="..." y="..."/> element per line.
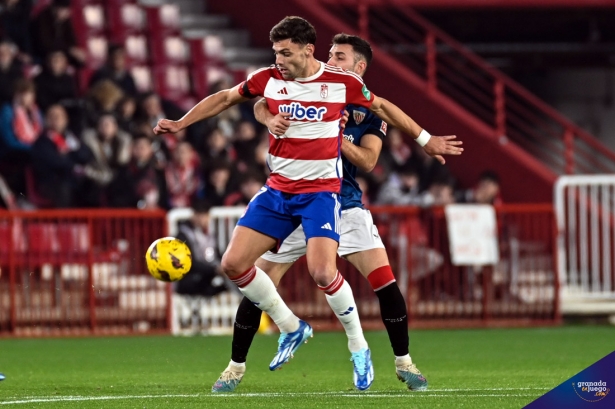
<point x="226" y="120"/>
<point x="152" y="108"/>
<point x="7" y="198"/>
<point x="126" y="109"/>
<point x="204" y="277"/>
<point x="147" y="182"/>
<point x="58" y="161"/>
<point x="10" y="71"/>
<point x="486" y="191"/>
<point x="395" y="153"/>
<point x="183" y="177"/>
<point x="161" y="152"/>
<point x="245" y="145"/>
<point x="440" y="193"/>
<point x="430" y="170"/>
<point x="103" y="97"/>
<point x="20" y="125"/>
<point x="116" y="71"/>
<point x="53" y="30"/>
<point x="217" y="186"/>
<point x="15" y="22"/>
<point x="111" y="151"/>
<point x="402" y="188"/>
<point x="217" y="147"/>
<point x="250" y="184"/>
<point x="55" y="84"/>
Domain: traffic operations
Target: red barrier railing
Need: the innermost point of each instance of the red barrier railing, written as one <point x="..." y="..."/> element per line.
<point x="83" y="272"/>
<point x="448" y="67"/>
<point x="80" y="272"/>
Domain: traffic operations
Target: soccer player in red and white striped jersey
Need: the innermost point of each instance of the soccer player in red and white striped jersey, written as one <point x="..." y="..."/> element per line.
<point x="306" y="159"/>
<point x="305" y="183"/>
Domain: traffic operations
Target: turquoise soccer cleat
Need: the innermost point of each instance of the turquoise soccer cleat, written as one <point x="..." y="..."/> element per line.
<point x="228" y="380"/>
<point x="363" y="369"/>
<point x="413" y="378"/>
<point x="288" y="343"/>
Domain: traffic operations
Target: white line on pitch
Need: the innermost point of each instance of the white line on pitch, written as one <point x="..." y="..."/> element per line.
<point x="49" y="399"/>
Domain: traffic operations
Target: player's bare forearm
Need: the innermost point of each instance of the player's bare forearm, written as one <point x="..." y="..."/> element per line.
<point x="365" y="158"/>
<point x="261" y="112"/>
<point x="212" y="106"/>
<point x="435" y="146"/>
<point x="393" y="115"/>
<point x="206" y="108"/>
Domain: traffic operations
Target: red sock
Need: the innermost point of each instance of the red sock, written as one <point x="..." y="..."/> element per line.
<point x="245" y="278"/>
<point x="381" y="277"/>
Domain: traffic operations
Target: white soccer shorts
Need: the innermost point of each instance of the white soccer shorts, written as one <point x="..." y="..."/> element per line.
<point x="358" y="233"/>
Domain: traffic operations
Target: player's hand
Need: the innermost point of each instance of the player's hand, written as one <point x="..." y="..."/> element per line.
<point x="443" y="145"/>
<point x="167" y="126"/>
<point x="344" y="119"/>
<point x="278" y="124"/>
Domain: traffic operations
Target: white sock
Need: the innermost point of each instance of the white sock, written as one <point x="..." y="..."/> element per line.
<point x="340" y="299"/>
<point x="258" y="288"/>
<point x="238" y="366"/>
<point x="403" y="360"/>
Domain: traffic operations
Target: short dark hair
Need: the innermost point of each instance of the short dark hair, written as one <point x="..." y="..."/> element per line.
<point x="297" y="29"/>
<point x="490" y="176"/>
<point x="23" y="85"/>
<point x="361" y="47"/>
<point x="201" y="206"/>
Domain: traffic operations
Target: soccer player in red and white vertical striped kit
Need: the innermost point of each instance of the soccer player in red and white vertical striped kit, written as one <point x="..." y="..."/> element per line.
<point x="305" y="180"/>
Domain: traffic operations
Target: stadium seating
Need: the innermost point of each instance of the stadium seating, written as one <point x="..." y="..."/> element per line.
<point x="178" y="56"/>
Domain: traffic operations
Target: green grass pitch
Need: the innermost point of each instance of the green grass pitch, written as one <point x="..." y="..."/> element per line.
<point x="491" y="368"/>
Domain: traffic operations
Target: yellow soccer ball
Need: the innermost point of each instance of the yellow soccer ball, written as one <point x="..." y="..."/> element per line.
<point x="168" y="259"/>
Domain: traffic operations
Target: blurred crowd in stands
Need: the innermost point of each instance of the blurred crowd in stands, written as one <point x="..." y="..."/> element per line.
<point x="65" y="147"/>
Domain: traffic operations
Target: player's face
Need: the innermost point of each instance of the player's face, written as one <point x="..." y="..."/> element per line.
<point x="290" y="58"/>
<point x="342" y="56"/>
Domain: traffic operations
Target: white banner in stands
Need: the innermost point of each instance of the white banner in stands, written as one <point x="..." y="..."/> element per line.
<point x="472" y="233"/>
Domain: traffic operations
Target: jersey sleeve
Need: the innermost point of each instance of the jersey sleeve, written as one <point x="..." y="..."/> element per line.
<point x="357" y="92"/>
<point x="255" y="85"/>
<point x="377" y="127"/>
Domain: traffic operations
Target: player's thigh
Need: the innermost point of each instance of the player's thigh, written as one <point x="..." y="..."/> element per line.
<point x="367" y="261"/>
<point x="274" y="270"/>
<point x="321" y="259"/>
<point x="360" y="242"/>
<point x="320" y="217"/>
<point x="245" y="247"/>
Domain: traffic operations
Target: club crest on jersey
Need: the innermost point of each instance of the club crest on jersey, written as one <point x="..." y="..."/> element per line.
<point x="299" y="112"/>
<point x="324" y="91"/>
<point x="358" y="116"/>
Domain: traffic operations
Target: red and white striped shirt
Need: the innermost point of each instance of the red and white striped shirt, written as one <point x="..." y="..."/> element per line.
<point x="306" y="158"/>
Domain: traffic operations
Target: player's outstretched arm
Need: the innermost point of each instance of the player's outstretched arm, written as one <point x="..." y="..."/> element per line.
<point x="277" y="124"/>
<point x="435" y="146"/>
<point x="365" y="156"/>
<point x="207" y="108"/>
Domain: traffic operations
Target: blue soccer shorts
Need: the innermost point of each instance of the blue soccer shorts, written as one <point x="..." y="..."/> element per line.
<point x="278" y="214"/>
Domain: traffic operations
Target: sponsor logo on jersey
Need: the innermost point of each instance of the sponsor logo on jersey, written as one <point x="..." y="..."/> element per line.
<point x="324" y="91"/>
<point x="383" y="127"/>
<point x="299" y="112"/>
<point x="366" y="92"/>
<point x="358" y="116"/>
<point x="349" y="138"/>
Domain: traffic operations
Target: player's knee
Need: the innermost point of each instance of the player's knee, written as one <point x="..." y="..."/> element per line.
<point x="323" y="276"/>
<point x="231" y="266"/>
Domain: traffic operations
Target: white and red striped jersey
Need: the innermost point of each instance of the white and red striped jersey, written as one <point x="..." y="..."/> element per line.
<point x="306" y="158"/>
